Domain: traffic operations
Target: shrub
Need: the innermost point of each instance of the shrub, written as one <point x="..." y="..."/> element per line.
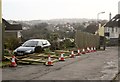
<point x="67" y="44"/>
<point x="11" y="43"/>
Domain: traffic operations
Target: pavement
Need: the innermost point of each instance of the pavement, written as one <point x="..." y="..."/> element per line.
<point x="100" y="65"/>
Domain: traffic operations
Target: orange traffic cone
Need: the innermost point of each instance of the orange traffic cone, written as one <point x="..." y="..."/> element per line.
<point x="79" y="53"/>
<point x="83" y="51"/>
<point x="88" y="50"/>
<point x="49" y="62"/>
<point x="13" y="63"/>
<point x="72" y="55"/>
<point x="94" y="49"/>
<point x="62" y="57"/>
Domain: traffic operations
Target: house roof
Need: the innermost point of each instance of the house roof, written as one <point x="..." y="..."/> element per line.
<point x="9" y="26"/>
<point x="92" y="28"/>
<point x="114" y="22"/>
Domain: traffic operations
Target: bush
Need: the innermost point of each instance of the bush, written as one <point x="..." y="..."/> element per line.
<point x="67" y="44"/>
<point x="11" y="43"/>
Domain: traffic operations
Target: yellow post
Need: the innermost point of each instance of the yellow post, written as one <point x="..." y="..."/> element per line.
<point x="101" y="30"/>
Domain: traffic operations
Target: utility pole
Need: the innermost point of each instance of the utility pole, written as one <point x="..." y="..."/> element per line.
<point x="1" y="32"/>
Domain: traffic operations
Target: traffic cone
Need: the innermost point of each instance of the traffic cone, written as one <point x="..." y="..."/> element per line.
<point x="62" y="57"/>
<point x="72" y="55"/>
<point x="49" y="62"/>
<point x="83" y="51"/>
<point x="94" y="49"/>
<point x="13" y="63"/>
<point x="88" y="50"/>
<point x="79" y="53"/>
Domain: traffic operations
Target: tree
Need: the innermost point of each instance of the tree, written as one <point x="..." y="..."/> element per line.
<point x="92" y="28"/>
<point x="37" y="31"/>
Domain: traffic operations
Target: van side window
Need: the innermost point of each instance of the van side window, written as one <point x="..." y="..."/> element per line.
<point x="44" y="42"/>
<point x="39" y="43"/>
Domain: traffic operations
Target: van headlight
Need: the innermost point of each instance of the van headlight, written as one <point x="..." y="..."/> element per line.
<point x="28" y="51"/>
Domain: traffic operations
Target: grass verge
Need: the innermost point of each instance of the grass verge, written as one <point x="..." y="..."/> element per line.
<point x="4" y="63"/>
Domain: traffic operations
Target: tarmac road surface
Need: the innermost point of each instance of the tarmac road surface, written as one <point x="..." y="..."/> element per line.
<point x="100" y="65"/>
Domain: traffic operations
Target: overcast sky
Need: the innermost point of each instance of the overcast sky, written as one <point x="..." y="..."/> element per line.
<point x="55" y="9"/>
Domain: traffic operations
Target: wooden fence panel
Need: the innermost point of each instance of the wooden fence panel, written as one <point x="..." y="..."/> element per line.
<point x="83" y="40"/>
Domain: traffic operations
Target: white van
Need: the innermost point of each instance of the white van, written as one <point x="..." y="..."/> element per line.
<point x="31" y="46"/>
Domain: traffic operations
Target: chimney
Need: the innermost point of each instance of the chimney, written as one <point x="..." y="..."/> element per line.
<point x="110" y="16"/>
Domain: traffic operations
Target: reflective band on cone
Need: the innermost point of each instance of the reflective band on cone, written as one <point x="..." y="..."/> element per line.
<point x="83" y="51"/>
<point x="72" y="54"/>
<point x="92" y="49"/>
<point x="79" y="53"/>
<point x="88" y="50"/>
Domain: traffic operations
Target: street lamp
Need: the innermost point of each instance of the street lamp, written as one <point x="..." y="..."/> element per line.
<point x="99" y="14"/>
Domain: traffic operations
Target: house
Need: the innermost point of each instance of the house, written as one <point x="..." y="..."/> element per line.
<point x="112" y="30"/>
<point x="91" y="28"/>
<point x="11" y="30"/>
<point x="96" y="28"/>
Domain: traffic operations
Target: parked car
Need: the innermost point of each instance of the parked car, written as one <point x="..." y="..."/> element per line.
<point x="31" y="46"/>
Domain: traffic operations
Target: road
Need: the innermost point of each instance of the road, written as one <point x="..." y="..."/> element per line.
<point x="0" y="74"/>
<point x="100" y="65"/>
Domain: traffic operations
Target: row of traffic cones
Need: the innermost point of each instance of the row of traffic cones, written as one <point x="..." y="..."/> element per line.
<point x="72" y="55"/>
<point x="61" y="58"/>
<point x="48" y="63"/>
<point x="88" y="50"/>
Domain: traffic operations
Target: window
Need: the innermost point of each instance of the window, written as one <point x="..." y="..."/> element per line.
<point x="117" y="20"/>
<point x="39" y="43"/>
<point x="44" y="42"/>
<point x="107" y="34"/>
<point x="116" y="29"/>
<point x="112" y="29"/>
<point x="108" y="29"/>
<point x="30" y="44"/>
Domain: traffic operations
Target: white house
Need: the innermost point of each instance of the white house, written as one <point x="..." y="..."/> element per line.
<point x="112" y="29"/>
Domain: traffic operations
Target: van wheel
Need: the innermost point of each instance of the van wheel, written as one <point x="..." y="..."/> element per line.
<point x="38" y="49"/>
